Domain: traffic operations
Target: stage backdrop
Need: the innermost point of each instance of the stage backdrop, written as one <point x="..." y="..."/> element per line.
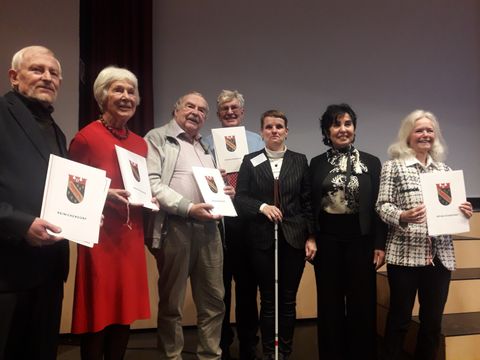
<point x="384" y="58"/>
<point x="53" y="24"/>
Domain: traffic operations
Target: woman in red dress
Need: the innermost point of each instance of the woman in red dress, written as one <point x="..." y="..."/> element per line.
<point x="111" y="289"/>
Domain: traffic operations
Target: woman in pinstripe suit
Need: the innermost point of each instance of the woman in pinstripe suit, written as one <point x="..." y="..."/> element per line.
<point x="255" y="200"/>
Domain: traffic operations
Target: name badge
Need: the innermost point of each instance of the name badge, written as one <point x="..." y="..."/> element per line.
<point x="257" y="160"/>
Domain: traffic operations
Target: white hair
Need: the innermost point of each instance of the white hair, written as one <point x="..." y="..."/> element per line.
<point x="109" y="75"/>
<point x="18" y="57"/>
<point x="179" y="101"/>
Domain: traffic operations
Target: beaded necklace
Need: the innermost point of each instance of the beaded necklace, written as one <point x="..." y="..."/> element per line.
<point x="115" y="132"/>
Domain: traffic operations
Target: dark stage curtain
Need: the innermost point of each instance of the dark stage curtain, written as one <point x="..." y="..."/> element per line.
<point x="116" y="32"/>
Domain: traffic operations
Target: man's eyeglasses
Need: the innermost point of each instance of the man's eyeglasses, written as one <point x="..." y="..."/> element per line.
<point x="232" y="108"/>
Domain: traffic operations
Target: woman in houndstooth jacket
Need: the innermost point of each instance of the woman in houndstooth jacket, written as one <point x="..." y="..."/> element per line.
<point x="415" y="260"/>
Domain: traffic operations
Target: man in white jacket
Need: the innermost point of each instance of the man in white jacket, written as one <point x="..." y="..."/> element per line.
<point x="184" y="236"/>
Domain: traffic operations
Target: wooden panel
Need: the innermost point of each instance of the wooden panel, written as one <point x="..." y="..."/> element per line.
<point x="462" y="347"/>
<point x="153" y="290"/>
<point x="467" y="253"/>
<point x="66" y="321"/>
<point x="381" y="319"/>
<point x="383" y="290"/>
<point x="463" y="297"/>
<point x="474" y="226"/>
<point x="307" y="295"/>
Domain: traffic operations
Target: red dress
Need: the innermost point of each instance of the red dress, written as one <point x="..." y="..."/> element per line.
<point x="111" y="285"/>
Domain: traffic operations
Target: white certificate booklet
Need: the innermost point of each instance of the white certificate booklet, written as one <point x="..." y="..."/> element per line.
<point x="135" y="177"/>
<point x="211" y="186"/>
<point x="73" y="199"/>
<point x="443" y="192"/>
<point x="230" y="147"/>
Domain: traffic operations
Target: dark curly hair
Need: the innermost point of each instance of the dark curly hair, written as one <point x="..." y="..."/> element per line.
<point x="330" y="115"/>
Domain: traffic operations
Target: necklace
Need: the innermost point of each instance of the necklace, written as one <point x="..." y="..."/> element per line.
<point x="115" y="132"/>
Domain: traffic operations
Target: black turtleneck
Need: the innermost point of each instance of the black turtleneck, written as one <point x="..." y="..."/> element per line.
<point x="43" y="117"/>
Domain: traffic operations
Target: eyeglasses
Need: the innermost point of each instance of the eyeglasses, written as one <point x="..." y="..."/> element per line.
<point x="232" y="108"/>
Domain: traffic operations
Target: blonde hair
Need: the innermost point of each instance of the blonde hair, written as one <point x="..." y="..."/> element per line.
<point x="400" y="149"/>
<point x="229" y="95"/>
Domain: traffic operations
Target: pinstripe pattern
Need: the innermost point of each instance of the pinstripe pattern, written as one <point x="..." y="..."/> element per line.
<point x="400" y="190"/>
<point x="255" y="187"/>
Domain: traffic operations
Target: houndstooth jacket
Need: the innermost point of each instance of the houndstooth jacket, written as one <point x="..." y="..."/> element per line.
<point x="409" y="244"/>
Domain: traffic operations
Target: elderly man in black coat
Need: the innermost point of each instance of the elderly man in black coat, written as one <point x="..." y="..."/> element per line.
<point x="33" y="263"/>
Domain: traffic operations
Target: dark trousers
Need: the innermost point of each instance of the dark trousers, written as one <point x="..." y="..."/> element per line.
<point x="346" y="298"/>
<point x="291" y="263"/>
<point x="432" y="283"/>
<point x="30" y="322"/>
<point x="237" y="265"/>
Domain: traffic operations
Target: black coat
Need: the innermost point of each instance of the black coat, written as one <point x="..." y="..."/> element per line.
<point x="255" y="187"/>
<point x="370" y="222"/>
<point x="24" y="155"/>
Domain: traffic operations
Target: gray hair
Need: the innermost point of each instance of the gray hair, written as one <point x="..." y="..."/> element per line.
<point x="229" y="95"/>
<point x="109" y="75"/>
<point x="400" y="149"/>
<point x="179" y="101"/>
<point x="18" y="57"/>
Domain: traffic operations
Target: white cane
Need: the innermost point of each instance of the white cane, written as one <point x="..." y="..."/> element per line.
<point x="276" y="201"/>
<point x="276" y="290"/>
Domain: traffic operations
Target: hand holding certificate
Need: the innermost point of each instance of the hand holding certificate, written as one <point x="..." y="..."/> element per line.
<point x="73" y="199"/>
<point x="443" y="192"/>
<point x="211" y="186"/>
<point x="135" y="178"/>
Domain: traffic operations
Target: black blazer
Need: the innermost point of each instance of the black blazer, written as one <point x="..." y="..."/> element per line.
<point x="255" y="187"/>
<point x="24" y="158"/>
<point x="370" y="222"/>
